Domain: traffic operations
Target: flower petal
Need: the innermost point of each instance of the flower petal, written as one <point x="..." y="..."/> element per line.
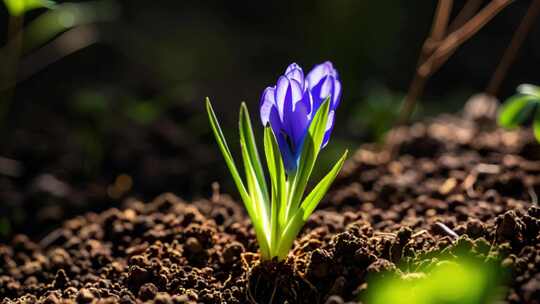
<point x="281" y="137"/>
<point x="316" y="75"/>
<point x="319" y="72"/>
<point x="282" y="87"/>
<point x="294" y="71"/>
<point x="296" y="92"/>
<point x="299" y="122"/>
<point x="337" y="94"/>
<point x="290" y="106"/>
<point x="291" y="119"/>
<point x="307" y="100"/>
<point x="321" y="91"/>
<point x="329" y="128"/>
<point x="327" y="87"/>
<point x="287" y="93"/>
<point x="267" y="103"/>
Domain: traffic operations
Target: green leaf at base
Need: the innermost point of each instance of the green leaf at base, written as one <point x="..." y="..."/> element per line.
<point x="276" y="170"/>
<point x="315" y="196"/>
<point x="247" y="139"/>
<point x="254" y="174"/>
<point x="246" y="197"/>
<point x="308" y="206"/>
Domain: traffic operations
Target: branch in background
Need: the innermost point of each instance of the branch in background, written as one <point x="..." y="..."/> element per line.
<point x="459" y="36"/>
<point x="467" y="11"/>
<point x="430" y="62"/>
<point x="440" y="22"/>
<point x="438" y="28"/>
<point x="67" y="43"/>
<point x="510" y="54"/>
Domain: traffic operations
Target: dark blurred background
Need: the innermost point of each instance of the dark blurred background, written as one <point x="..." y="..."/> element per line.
<point x="114" y="109"/>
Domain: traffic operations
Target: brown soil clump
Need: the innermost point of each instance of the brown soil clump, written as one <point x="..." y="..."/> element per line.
<point x="456" y="186"/>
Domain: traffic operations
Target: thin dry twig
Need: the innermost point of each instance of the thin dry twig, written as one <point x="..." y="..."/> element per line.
<point x="447" y="230"/>
<point x="467" y="11"/>
<point x="459" y="36"/>
<point x="440" y="22"/>
<point x="437" y="32"/>
<point x="436" y="51"/>
<point x="511" y="52"/>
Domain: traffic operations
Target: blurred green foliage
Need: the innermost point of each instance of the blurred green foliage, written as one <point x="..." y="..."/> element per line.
<point x="20" y="7"/>
<point x="66" y="16"/>
<point x="519" y="108"/>
<point x="99" y="112"/>
<point x="460" y="281"/>
<point x="383" y="107"/>
<point x="5" y="226"/>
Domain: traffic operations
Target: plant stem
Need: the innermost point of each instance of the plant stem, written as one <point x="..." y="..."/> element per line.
<point x="436" y="49"/>
<point x="510" y="54"/>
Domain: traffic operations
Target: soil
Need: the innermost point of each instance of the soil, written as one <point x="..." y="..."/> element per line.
<point x="456" y="185"/>
<point x="80" y="164"/>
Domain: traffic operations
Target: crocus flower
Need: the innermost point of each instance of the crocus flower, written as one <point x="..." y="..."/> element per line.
<point x="290" y="105"/>
<point x="289" y="111"/>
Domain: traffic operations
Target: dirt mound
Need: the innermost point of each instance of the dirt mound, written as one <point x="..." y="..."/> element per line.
<point x="456" y="186"/>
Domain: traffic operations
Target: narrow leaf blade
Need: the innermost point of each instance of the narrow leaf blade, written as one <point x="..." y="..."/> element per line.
<point x="254" y="174"/>
<point x="299" y="218"/>
<point x="310" y="151"/>
<point x="246" y="198"/>
<point x="222" y="143"/>
<point x="276" y="170"/>
<point x="20" y="7"/>
<point x="247" y="137"/>
<point x="529" y="89"/>
<point x="515" y="110"/>
<point x="312" y="200"/>
<point x="536" y="125"/>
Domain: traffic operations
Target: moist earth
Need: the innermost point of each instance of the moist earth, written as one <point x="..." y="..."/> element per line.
<point x="449" y="186"/>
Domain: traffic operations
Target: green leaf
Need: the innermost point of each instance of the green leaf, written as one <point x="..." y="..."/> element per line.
<point x="261" y="222"/>
<point x="312" y="200"/>
<point x="276" y="170"/>
<point x="247" y="139"/>
<point x="516" y="110"/>
<point x="529" y="89"/>
<point x="308" y="206"/>
<point x="310" y="151"/>
<point x="222" y="143"/>
<point x="20" y="7"/>
<point x="246" y="198"/>
<point x="536" y="125"/>
<point x="255" y="179"/>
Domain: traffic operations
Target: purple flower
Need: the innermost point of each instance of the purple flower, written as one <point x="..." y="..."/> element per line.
<point x="291" y="104"/>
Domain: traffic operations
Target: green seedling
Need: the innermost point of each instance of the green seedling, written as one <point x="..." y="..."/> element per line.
<point x="521" y="107"/>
